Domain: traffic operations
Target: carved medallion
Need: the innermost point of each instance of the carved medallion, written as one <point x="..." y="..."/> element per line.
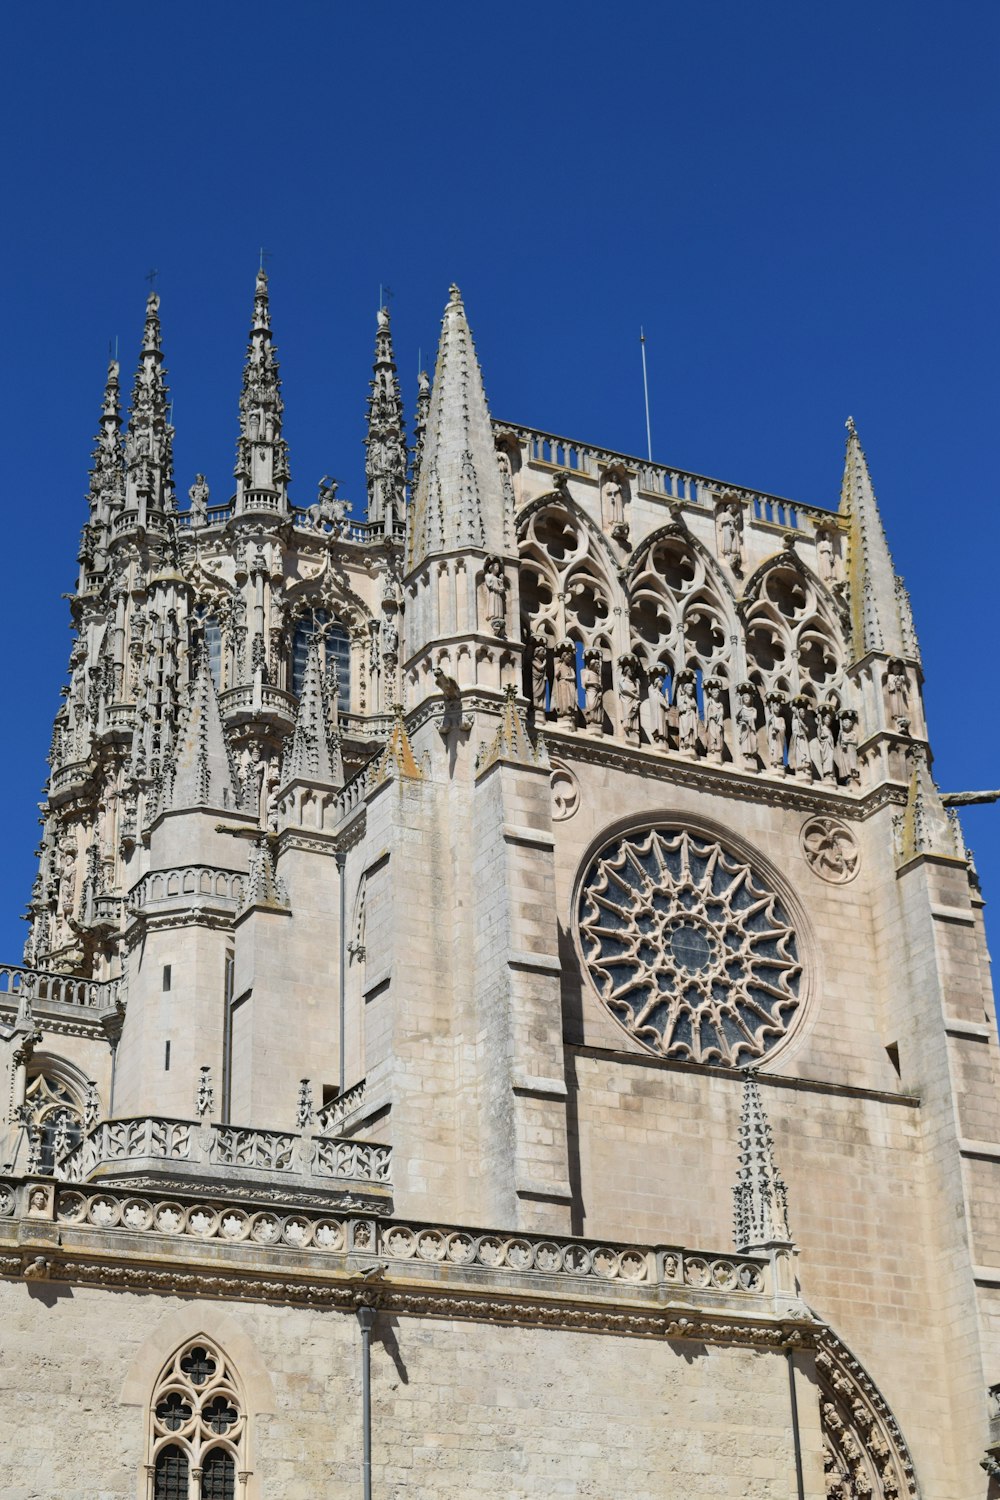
<point x="830" y="848"/>
<point x="565" y="792"/>
<point x="688" y="947"/>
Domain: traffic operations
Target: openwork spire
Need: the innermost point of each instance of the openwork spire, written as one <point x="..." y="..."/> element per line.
<point x="879" y="605"/>
<point x="200" y="771"/>
<point x="149" y="457"/>
<point x="385" y="466"/>
<point x="459" y="500"/>
<point x="420" y="427"/>
<point x="261" y="452"/>
<point x="311" y="756"/>
<point x="760" y="1195"/>
<point x="107" y="474"/>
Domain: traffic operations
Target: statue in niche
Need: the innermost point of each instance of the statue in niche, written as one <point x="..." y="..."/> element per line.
<point x="688" y="718"/>
<point x="774" y="728"/>
<point x="539" y="671"/>
<point x="496" y="595"/>
<point x="715" y="718"/>
<point x="849" y="744"/>
<point x="746" y="723"/>
<point x="67" y="879"/>
<point x="564" y="700"/>
<point x="659" y="705"/>
<point x="629" y="696"/>
<point x="592" y="682"/>
<point x="390" y="640"/>
<point x="799" y="753"/>
<point x="614" y="508"/>
<point x="730" y="519"/>
<point x="826" y="752"/>
<point x="198" y="496"/>
<point x="826" y="561"/>
<point x="897" y="695"/>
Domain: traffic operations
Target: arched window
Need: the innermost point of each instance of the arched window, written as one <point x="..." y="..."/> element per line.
<point x="337" y="653"/>
<point x="197" y="1427"/>
<point x="57" y="1115"/>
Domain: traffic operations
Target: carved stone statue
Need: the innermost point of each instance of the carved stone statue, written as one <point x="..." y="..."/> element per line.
<point x="897" y="694"/>
<point x="688" y="718"/>
<point x="825" y="742"/>
<point x="496" y="595"/>
<point x="564" y="700"/>
<point x="615" y="502"/>
<point x="799" y="753"/>
<point x="746" y="723"/>
<point x="774" y="728"/>
<point x="730" y="541"/>
<point x="539" y="671"/>
<point x="715" y="718"/>
<point x="198" y="496"/>
<point x="390" y="639"/>
<point x="826" y="561"/>
<point x="592" y="682"/>
<point x="659" y="705"/>
<point x="849" y="745"/>
<point x="629" y="696"/>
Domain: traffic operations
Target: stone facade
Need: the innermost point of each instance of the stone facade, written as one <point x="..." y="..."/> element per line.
<point x="438" y="918"/>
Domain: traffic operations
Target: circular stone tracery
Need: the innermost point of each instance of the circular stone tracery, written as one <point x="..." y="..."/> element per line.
<point x="688" y="948"/>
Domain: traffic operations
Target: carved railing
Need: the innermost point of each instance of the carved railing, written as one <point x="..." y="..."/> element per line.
<point x="338" y="1109"/>
<point x="75" y="776"/>
<point x="272" y="700"/>
<point x="663" y="1272"/>
<point x="197" y="881"/>
<point x="62" y="989"/>
<point x="271" y="1158"/>
<point x="546" y="448"/>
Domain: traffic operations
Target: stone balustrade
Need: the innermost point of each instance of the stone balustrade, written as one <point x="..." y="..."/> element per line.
<point x="204" y="883"/>
<point x="62" y="989"/>
<point x="287" y="1166"/>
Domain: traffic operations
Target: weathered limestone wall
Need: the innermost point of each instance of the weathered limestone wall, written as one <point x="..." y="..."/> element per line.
<point x="458" y="1408"/>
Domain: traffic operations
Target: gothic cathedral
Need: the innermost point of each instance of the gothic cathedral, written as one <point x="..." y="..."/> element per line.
<point x="506" y="1008"/>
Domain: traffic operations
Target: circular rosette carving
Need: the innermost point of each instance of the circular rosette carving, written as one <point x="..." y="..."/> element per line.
<point x="688" y="947"/>
<point x="565" y="792"/>
<point x="830" y="848"/>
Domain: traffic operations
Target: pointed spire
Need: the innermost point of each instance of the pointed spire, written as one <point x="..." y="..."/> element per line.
<point x="107" y="474"/>
<point x="760" y="1196"/>
<point x="261" y="452"/>
<point x="875" y="596"/>
<point x="397" y="759"/>
<point x="385" y="466"/>
<point x="420" y="427"/>
<point x="925" y="827"/>
<point x="263" y="886"/>
<point x="311" y="756"/>
<point x="459" y="500"/>
<point x="200" y="772"/>
<point x="149" y="458"/>
<point x="511" y="741"/>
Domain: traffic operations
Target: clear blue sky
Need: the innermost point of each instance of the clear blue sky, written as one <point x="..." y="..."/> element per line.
<point x="798" y="201"/>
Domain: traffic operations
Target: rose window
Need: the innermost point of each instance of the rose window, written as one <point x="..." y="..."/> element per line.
<point x="689" y="948"/>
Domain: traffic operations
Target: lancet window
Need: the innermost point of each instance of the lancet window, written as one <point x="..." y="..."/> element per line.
<point x="197" y="1436"/>
<point x="337" y="647"/>
<point x="55" y="1120"/>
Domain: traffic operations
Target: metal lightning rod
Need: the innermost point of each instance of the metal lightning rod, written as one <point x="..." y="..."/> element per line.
<point x="645" y="390"/>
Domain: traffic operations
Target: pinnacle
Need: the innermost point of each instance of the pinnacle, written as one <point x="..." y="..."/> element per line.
<point x="760" y="1196"/>
<point x="200" y="771"/>
<point x="459" y="499"/>
<point x="877" y="615"/>
<point x="310" y="755"/>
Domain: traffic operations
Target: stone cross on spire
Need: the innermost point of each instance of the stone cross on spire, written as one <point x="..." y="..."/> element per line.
<point x="459" y="499"/>
<point x="760" y="1196"/>
<point x="149" y="459"/>
<point x="261" y="452"/>
<point x="385" y="466"/>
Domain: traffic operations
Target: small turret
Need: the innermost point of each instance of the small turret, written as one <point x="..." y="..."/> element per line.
<point x="106" y="493"/>
<point x="385" y="466"/>
<point x="149" y="459"/>
<point x="311" y="756"/>
<point x="261" y="452"/>
<point x="200" y="770"/>
<point x="420" y="427"/>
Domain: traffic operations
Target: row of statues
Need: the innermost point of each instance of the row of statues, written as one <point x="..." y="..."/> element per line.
<point x="755" y="727"/>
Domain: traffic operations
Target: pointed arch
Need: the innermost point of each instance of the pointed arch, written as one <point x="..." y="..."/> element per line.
<point x="864" y="1452"/>
<point x="681" y="610"/>
<point x="568" y="575"/>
